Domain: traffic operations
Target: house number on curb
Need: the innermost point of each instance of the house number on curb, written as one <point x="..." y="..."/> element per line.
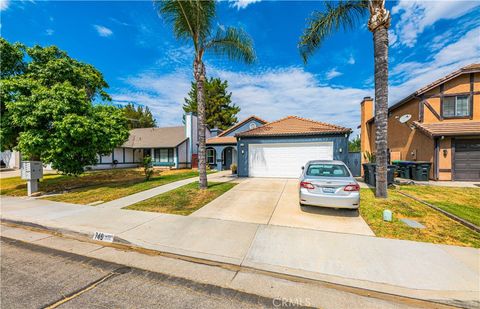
<point x="103" y="237"/>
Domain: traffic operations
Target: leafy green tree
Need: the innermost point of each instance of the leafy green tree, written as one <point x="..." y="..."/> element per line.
<point x="139" y="117"/>
<point x="345" y="14"/>
<point x="354" y="144"/>
<point x="219" y="112"/>
<point x="193" y="20"/>
<point x="48" y="112"/>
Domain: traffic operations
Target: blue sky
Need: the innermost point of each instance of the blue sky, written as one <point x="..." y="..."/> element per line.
<point x="143" y="63"/>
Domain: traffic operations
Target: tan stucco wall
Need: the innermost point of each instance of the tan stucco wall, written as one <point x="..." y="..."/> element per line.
<point x="413" y="145"/>
<point x="445" y="161"/>
<point x="458" y="85"/>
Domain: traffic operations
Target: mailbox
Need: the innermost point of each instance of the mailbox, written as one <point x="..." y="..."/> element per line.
<point x="32" y="170"/>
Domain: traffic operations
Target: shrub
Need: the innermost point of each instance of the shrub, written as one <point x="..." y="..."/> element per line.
<point x="233" y="167"/>
<point x="147" y="167"/>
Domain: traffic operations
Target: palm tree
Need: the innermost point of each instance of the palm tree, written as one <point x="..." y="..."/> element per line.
<point x="346" y="14"/>
<point x="192" y="21"/>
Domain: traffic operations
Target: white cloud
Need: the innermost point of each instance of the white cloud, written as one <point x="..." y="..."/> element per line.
<point x="103" y="31"/>
<point x="270" y="94"/>
<point x="410" y="76"/>
<point x="241" y="4"/>
<point x="416" y="15"/>
<point x="332" y="74"/>
<point x="49" y="32"/>
<point x="4" y="4"/>
<point x="392" y="37"/>
<point x="351" y="60"/>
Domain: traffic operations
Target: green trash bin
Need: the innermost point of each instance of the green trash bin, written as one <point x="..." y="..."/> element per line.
<point x="421" y="171"/>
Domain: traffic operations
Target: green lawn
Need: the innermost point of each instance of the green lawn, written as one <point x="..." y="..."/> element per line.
<point x="439" y="228"/>
<point x="184" y="200"/>
<point x="95" y="186"/>
<point x="462" y="202"/>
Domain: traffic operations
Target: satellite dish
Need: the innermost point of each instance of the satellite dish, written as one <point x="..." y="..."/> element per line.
<point x="405" y="118"/>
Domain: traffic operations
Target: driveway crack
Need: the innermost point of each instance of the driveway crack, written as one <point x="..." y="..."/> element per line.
<point x="278" y="200"/>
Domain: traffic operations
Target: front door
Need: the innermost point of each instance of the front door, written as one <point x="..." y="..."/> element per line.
<point x="227" y="158"/>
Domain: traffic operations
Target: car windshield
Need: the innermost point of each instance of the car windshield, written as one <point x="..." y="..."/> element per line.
<point x="327" y="170"/>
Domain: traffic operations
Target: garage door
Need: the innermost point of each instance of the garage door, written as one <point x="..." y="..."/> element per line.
<point x="467" y="159"/>
<point x="285" y="160"/>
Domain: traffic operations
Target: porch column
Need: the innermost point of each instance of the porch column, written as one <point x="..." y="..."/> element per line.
<point x="218" y="154"/>
<point x="175" y="157"/>
<point x="151" y="154"/>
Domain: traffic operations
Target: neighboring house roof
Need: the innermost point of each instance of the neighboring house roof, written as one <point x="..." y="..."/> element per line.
<point x="232" y="128"/>
<point x="449" y="128"/>
<point x="294" y="126"/>
<point x="222" y="140"/>
<point x="471" y="68"/>
<point x="166" y="137"/>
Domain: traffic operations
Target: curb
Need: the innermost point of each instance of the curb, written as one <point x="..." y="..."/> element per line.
<point x="471" y="226"/>
<point x="122" y="244"/>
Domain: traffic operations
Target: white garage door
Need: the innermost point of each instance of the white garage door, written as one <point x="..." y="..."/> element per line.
<point x="285" y="160"/>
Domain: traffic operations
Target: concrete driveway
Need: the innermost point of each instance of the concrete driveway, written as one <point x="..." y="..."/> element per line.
<point x="275" y="202"/>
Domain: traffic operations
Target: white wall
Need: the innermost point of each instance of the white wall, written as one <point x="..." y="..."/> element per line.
<point x="106" y="159"/>
<point x="128" y="155"/>
<point x="11" y="158"/>
<point x="182" y="154"/>
<point x="118" y="154"/>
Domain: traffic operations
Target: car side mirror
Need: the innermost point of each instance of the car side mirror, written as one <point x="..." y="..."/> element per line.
<point x="303" y="167"/>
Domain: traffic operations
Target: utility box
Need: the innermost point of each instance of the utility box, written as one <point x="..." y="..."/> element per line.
<point x="32" y="170"/>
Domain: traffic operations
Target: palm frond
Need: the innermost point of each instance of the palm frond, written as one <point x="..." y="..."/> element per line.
<point x="234" y="43"/>
<point x="343" y="14"/>
<point x="190" y="18"/>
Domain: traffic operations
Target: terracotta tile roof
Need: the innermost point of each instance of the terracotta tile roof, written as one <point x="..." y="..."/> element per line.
<point x="449" y="128"/>
<point x="471" y="68"/>
<point x="222" y="140"/>
<point x="294" y="126"/>
<point x="155" y="137"/>
<point x="232" y="128"/>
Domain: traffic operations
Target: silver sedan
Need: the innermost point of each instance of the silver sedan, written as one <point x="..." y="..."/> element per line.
<point x="328" y="184"/>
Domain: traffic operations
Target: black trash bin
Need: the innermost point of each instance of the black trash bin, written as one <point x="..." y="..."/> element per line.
<point x="404" y="168"/>
<point x="370" y="172"/>
<point x="391" y="174"/>
<point x="421" y="171"/>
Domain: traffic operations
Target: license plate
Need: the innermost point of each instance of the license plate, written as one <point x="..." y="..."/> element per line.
<point x="328" y="190"/>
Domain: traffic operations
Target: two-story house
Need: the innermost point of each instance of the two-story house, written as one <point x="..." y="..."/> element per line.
<point x="439" y="123"/>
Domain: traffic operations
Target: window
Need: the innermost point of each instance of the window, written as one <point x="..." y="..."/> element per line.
<point x="456" y="106"/>
<point x="252" y="125"/>
<point x="163" y="155"/>
<point x="211" y="156"/>
<point x="327" y="170"/>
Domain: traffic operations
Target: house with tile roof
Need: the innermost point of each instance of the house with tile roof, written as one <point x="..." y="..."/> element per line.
<point x="277" y="149"/>
<point x="439" y="123"/>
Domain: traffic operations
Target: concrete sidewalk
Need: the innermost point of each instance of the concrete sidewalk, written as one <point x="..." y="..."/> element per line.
<point x="421" y="270"/>
<point x="144" y="195"/>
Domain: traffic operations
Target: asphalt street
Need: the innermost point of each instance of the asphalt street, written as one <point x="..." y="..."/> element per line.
<point x="38" y="277"/>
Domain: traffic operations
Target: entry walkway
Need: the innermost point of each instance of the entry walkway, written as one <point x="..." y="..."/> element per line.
<point x="144" y="195"/>
<point x="413" y="269"/>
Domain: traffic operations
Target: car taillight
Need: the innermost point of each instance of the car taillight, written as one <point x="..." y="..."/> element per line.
<point x="353" y="187"/>
<point x="306" y="185"/>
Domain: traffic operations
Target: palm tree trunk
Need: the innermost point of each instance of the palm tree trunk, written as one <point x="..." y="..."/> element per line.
<point x="199" y="73"/>
<point x="380" y="40"/>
